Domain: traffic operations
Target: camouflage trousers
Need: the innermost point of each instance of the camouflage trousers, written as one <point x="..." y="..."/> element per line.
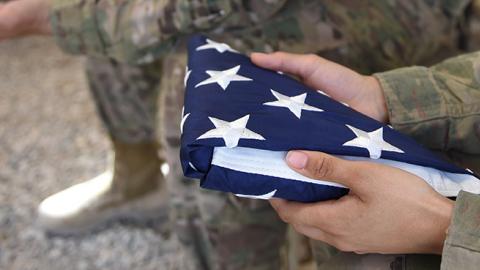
<point x="216" y="231"/>
<point x="219" y="231"/>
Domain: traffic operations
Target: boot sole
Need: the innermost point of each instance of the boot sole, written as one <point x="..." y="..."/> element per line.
<point x="142" y="212"/>
<point x="152" y="220"/>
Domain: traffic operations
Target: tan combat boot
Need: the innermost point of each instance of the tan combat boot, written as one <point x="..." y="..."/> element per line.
<point x="134" y="189"/>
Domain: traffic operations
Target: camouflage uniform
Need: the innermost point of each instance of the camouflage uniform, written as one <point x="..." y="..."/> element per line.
<point x="223" y="232"/>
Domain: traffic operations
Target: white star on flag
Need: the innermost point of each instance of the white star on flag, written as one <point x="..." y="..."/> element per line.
<point x="187" y="75"/>
<point x="231" y="132"/>
<point x="224" y="77"/>
<point x="295" y="104"/>
<point x="184" y="118"/>
<point x="220" y="47"/>
<point x="372" y="141"/>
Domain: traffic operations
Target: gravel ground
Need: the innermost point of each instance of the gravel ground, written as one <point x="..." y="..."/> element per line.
<point x="50" y="138"/>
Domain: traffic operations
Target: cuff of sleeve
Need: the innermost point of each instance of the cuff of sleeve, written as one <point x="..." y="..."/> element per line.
<point x="462" y="247"/>
<point x="412" y="95"/>
<point x="416" y="105"/>
<point x="464" y="229"/>
<point x="74" y="25"/>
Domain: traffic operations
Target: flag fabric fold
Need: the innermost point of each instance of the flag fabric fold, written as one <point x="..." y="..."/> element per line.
<point x="239" y="120"/>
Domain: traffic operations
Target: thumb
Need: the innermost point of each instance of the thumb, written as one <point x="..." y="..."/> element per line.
<point x="321" y="166"/>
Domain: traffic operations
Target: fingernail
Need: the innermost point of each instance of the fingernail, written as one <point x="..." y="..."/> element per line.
<point x="297" y="159"/>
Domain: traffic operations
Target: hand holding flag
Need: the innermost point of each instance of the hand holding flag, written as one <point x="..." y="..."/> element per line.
<point x="387" y="210"/>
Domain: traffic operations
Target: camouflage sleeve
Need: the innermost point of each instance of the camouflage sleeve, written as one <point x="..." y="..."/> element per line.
<point x="438" y="106"/>
<point x="132" y="31"/>
<point x="462" y="246"/>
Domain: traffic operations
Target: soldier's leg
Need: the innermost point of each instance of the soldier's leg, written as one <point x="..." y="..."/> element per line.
<point x="218" y="230"/>
<point x="126" y="98"/>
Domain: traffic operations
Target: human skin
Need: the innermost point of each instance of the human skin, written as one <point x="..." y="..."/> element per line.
<point x="24" y="17"/>
<point x="387" y="210"/>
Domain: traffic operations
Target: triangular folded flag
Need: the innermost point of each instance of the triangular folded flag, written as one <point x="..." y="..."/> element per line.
<point x="239" y="120"/>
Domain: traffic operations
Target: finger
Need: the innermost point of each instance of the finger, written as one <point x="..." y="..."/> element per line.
<point x="325" y="237"/>
<point x="297" y="64"/>
<point x="266" y="61"/>
<point x="315" y="71"/>
<point x="321" y="166"/>
<point x="320" y="215"/>
<point x="314" y="233"/>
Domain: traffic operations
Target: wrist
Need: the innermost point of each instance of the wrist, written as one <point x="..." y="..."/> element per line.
<point x="442" y="211"/>
<point x="379" y="108"/>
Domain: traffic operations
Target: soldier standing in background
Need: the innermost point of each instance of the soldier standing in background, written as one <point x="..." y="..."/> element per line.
<point x="136" y="54"/>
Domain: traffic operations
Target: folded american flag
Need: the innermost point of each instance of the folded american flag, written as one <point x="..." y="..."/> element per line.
<point x="239" y="120"/>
